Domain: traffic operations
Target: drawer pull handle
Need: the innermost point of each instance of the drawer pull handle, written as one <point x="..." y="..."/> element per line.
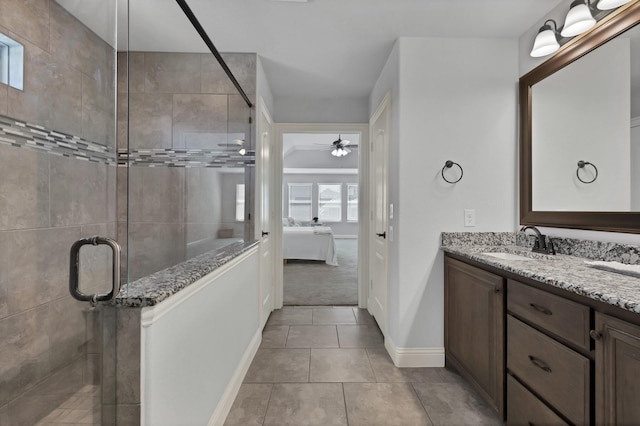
<point x="595" y="335"/>
<point x="541" y="309"/>
<point x="540" y="364"/>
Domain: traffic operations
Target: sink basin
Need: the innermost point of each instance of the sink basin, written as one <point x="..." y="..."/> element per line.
<point x="508" y="256"/>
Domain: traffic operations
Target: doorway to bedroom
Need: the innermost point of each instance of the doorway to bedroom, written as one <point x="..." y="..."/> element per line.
<point x="320" y="218"/>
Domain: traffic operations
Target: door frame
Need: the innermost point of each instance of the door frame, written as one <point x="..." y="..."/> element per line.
<point x="263" y="111"/>
<point x="384" y="105"/>
<point x="363" y="199"/>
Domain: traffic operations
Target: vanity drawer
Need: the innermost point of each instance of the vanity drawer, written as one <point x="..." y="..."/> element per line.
<point x="564" y="318"/>
<point x="558" y="374"/>
<point x="524" y="409"/>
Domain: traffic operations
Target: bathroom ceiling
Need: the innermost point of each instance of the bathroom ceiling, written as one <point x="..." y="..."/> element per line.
<point x="319" y="48"/>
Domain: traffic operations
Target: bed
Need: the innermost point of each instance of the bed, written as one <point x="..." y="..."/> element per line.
<point x="309" y="243"/>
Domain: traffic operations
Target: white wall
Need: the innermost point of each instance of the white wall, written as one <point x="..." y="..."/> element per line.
<point x="263" y="89"/>
<point x="314" y="110"/>
<point x="460" y="106"/>
<point x="194" y="325"/>
<point x="574" y="119"/>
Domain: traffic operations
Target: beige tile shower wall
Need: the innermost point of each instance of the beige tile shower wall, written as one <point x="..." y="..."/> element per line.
<point x="69" y="82"/>
<point x="46" y="203"/>
<point x="177" y="100"/>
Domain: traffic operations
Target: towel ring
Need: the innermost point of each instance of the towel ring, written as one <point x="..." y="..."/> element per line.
<point x="447" y="165"/>
<point x="581" y="165"/>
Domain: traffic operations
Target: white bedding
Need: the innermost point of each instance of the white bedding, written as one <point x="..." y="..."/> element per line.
<point x="309" y="243"/>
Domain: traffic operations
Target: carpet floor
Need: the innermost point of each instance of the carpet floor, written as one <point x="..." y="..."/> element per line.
<point x="309" y="282"/>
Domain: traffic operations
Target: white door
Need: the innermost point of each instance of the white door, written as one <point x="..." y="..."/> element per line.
<point x="379" y="133"/>
<point x="265" y="129"/>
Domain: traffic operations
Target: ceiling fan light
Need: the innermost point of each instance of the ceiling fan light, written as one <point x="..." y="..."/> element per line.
<point x="611" y="4"/>
<point x="335" y="153"/>
<point x="578" y="20"/>
<point x="242" y="151"/>
<point x="546" y="43"/>
<point x="346" y="151"/>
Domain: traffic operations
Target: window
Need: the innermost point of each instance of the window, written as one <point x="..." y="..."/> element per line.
<point x="330" y="202"/>
<point x="11" y="62"/>
<point x="352" y="202"/>
<point x="240" y="202"/>
<point x="300" y="201"/>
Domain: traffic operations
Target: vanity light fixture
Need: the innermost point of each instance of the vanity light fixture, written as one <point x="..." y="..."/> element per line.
<point x="579" y="19"/>
<point x="611" y="4"/>
<point x="546" y="41"/>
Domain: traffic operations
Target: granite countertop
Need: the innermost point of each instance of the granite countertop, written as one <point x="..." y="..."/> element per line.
<point x="563" y="271"/>
<point x="155" y="288"/>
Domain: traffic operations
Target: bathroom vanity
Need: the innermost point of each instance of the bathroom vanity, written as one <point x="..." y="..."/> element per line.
<point x="543" y="339"/>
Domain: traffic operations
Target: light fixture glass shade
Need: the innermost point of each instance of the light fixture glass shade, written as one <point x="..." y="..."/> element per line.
<point x="611" y="4"/>
<point x="579" y="20"/>
<point x="335" y="153"/>
<point x="242" y="151"/>
<point x="545" y="44"/>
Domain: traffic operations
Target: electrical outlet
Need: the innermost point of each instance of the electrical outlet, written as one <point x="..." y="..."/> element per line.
<point x="469" y="217"/>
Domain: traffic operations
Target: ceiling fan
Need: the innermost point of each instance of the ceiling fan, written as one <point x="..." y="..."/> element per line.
<point x="340" y="147"/>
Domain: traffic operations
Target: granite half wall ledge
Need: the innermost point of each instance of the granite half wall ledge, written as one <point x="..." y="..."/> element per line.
<point x="159" y="286"/>
<point x="588" y="249"/>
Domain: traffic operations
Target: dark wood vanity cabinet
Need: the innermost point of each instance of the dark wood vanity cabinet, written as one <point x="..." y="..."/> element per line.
<point x="617" y="371"/>
<point x="536" y="356"/>
<point x="544" y="334"/>
<point x="474" y="328"/>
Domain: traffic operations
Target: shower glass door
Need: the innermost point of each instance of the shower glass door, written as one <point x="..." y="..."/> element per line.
<point x="190" y="152"/>
<point x="58" y="166"/>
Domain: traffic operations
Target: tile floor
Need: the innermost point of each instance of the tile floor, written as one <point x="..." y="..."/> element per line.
<point x="328" y="366"/>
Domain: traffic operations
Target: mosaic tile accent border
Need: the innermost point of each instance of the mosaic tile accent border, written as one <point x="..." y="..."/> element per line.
<point x="188" y="158"/>
<point x="23" y="134"/>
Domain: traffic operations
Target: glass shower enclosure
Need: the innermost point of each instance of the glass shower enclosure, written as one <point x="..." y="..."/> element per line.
<point x="110" y="132"/>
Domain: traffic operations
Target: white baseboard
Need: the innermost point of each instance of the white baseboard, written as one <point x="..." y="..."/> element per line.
<point x="224" y="406"/>
<point x="345" y="237"/>
<point x="414" y="357"/>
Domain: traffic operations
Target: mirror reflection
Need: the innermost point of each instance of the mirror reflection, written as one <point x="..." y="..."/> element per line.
<point x="586" y="132"/>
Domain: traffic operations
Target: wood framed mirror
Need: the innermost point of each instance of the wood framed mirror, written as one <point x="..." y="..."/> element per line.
<point x="540" y="175"/>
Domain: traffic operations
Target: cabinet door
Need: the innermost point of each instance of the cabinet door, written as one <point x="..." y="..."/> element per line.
<point x="474" y="328"/>
<point x="617" y="372"/>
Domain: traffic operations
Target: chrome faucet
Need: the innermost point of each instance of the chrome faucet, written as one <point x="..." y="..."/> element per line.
<point x="540" y="245"/>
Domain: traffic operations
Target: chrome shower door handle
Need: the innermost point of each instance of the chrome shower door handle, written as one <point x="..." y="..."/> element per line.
<point x="74" y="270"/>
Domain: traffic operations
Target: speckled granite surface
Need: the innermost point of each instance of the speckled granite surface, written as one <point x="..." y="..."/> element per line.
<point x="478" y="238"/>
<point x="155" y="288"/>
<point x="598" y="250"/>
<point x="562" y="271"/>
